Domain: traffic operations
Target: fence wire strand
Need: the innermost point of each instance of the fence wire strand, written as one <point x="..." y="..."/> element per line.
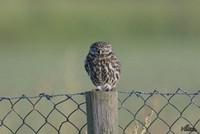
<point x="139" y="113"/>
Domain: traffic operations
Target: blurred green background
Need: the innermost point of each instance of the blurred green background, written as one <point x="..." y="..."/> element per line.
<point x="43" y="44"/>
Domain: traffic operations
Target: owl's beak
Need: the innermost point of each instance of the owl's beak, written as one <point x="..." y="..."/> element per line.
<point x="100" y="51"/>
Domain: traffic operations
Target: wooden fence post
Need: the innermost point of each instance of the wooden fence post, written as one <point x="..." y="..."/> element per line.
<point x="102" y="112"/>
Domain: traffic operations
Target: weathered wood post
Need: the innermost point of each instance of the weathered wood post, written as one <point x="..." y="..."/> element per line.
<point x="102" y="112"/>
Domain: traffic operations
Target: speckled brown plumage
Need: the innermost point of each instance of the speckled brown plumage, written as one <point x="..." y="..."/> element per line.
<point x="102" y="66"/>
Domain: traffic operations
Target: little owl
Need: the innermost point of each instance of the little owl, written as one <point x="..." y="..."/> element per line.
<point x="102" y="66"/>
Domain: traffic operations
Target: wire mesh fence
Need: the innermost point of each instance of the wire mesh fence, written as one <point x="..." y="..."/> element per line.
<point x="139" y="113"/>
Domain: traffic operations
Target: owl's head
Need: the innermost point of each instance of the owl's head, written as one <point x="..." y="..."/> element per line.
<point x="101" y="47"/>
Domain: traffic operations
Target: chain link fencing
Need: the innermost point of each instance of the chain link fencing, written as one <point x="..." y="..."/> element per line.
<point x="139" y="113"/>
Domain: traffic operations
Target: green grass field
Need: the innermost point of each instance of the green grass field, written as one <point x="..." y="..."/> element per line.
<point x="43" y="44"/>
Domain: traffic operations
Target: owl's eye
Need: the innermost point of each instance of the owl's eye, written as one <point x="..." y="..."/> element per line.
<point x="107" y="48"/>
<point x="94" y="49"/>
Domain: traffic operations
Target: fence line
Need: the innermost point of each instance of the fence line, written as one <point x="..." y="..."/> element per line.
<point x="179" y="91"/>
<point x="139" y="112"/>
